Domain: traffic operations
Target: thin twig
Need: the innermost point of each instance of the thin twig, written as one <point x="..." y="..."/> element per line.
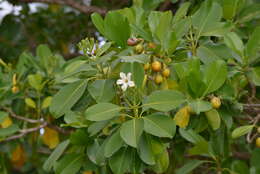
<point x="72" y="3"/>
<point x="249" y="137"/>
<point x="12" y="114"/>
<point x="25" y="132"/>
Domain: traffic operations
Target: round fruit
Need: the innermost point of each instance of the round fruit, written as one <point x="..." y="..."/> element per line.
<point x="215" y="102"/>
<point x="258" y="130"/>
<point x="166" y="72"/>
<point x="139" y="48"/>
<point x="156" y="66"/>
<point x="151" y="45"/>
<point x="158" y="79"/>
<point x="257" y="142"/>
<point x="146" y="66"/>
<point x="132" y="41"/>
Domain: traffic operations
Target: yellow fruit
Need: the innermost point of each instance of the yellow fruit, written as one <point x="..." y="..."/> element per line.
<point x="156" y="66"/>
<point x="132" y="41"/>
<point x="158" y="79"/>
<point x="182" y="117"/>
<point x="15" y="89"/>
<point x="215" y="102"/>
<point x="6" y="123"/>
<point x="257" y="142"/>
<point x="258" y="130"/>
<point x="146" y="66"/>
<point x="139" y="48"/>
<point x="166" y="72"/>
<point x="50" y="138"/>
<point x="151" y="45"/>
<point x="18" y="157"/>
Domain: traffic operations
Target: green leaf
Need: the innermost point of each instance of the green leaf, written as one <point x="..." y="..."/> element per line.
<point x="181" y="12"/>
<point x="141" y="58"/>
<point x="164" y="100"/>
<point x="63" y="101"/>
<point x="229" y="8"/>
<point x="9" y="130"/>
<point x="162" y="162"/>
<point x="48" y="164"/>
<point x="213" y="118"/>
<point x="114" y="24"/>
<point x="242" y="130"/>
<point x="98" y="22"/>
<point x="159" y="125"/>
<point x="102" y="90"/>
<point x="114" y="143"/>
<point x="199" y="106"/>
<point x="253" y="45"/>
<point x="255" y="75"/>
<point x="35" y="81"/>
<point x="233" y="41"/>
<point x="207" y="17"/>
<point x="215" y="76"/>
<point x="119" y="162"/>
<point x="131" y="131"/>
<point x="45" y="54"/>
<point x="80" y="137"/>
<point x="187" y="168"/>
<point x="29" y="102"/>
<point x="69" y="164"/>
<point x="102" y="111"/>
<point x="191" y="136"/>
<point x="240" y="167"/>
<point x="96" y="152"/>
<point x="3" y="116"/>
<point x="145" y="149"/>
<point x="249" y="13"/>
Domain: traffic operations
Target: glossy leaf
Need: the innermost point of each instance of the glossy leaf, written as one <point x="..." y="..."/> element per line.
<point x="165" y="100"/>
<point x="102" y="111"/>
<point x="159" y="125"/>
<point x="67" y="97"/>
<point x="213" y="118"/>
<point x="242" y="130"/>
<point x="131" y="131"/>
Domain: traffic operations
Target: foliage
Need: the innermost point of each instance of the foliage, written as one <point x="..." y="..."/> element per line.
<point x="164" y="94"/>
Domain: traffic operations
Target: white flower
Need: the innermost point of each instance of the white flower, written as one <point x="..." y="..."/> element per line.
<point x="125" y="81"/>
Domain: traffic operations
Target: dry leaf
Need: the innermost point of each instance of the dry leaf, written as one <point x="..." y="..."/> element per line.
<point x="50" y="137"/>
<point x="18" y="157"/>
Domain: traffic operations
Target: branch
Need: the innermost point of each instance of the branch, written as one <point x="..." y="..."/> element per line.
<point x="25" y="132"/>
<point x="12" y="114"/>
<point x="72" y="3"/>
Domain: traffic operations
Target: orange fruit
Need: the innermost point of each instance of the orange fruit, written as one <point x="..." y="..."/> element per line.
<point x="156" y="66"/>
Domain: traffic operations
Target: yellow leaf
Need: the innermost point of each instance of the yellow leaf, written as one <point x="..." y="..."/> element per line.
<point x="50" y="137"/>
<point x="46" y="102"/>
<point x="87" y="172"/>
<point x="18" y="157"/>
<point x="29" y="102"/>
<point x="182" y="117"/>
<point x="7" y="122"/>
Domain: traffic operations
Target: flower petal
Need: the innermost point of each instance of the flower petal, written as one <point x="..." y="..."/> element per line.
<point x="122" y="75"/>
<point x="131" y="83"/>
<point x="129" y="76"/>
<point x="119" y="82"/>
<point x="124" y="86"/>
